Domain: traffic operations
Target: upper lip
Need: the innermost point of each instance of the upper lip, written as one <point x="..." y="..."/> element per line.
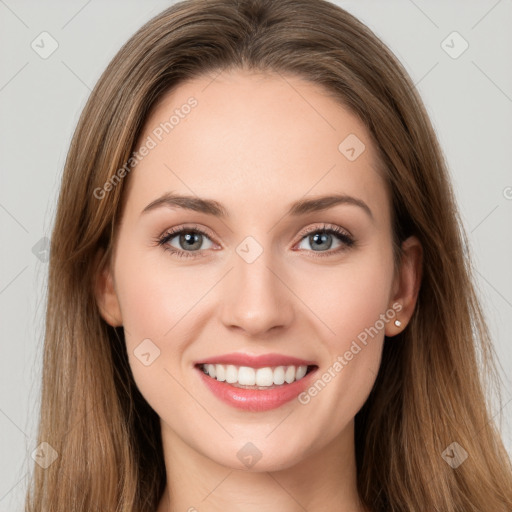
<point x="253" y="361"/>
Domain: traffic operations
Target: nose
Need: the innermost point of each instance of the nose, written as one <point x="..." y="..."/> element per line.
<point x="256" y="298"/>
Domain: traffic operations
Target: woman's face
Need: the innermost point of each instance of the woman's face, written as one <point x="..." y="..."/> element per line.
<point x="257" y="276"/>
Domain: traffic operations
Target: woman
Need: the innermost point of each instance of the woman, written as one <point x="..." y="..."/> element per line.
<point x="200" y="354"/>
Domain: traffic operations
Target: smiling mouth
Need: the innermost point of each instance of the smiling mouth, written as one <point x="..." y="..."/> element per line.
<point x="246" y="377"/>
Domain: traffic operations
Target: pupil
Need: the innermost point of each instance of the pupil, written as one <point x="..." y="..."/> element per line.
<point x="189" y="238"/>
<point x="322" y="237"/>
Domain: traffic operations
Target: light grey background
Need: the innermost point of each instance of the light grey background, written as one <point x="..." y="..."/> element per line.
<point x="469" y="99"/>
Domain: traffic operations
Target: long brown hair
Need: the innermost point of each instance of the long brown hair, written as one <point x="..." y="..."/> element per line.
<point x="431" y="389"/>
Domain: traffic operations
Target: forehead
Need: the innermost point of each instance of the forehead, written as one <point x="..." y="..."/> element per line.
<point x="252" y="141"/>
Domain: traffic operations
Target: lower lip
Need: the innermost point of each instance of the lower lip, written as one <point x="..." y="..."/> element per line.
<point x="256" y="400"/>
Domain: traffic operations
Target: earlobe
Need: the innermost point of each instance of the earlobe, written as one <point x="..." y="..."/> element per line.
<point x="407" y="285"/>
<point x="105" y="293"/>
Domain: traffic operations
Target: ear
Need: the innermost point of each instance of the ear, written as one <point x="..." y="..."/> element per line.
<point x="106" y="296"/>
<point x="406" y="285"/>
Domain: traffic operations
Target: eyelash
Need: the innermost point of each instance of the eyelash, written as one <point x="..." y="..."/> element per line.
<point x="339" y="233"/>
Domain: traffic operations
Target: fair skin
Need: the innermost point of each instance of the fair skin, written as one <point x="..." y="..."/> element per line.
<point x="255" y="145"/>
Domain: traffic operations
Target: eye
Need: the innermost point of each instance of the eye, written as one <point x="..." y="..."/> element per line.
<point x="321" y="239"/>
<point x="190" y="239"/>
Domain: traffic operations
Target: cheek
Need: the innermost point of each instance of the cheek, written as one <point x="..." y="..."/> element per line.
<point x="156" y="306"/>
<point x="154" y="294"/>
<point x="355" y="306"/>
<point x="350" y="297"/>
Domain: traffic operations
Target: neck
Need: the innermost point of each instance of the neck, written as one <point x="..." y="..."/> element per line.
<point x="324" y="480"/>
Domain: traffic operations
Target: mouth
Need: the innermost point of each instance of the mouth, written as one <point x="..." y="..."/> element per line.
<point x="246" y="377"/>
<point x="256" y="388"/>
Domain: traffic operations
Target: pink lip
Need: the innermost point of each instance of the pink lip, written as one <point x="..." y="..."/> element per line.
<point x="262" y="361"/>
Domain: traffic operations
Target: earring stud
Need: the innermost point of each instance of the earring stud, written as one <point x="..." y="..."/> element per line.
<point x="398" y="323"/>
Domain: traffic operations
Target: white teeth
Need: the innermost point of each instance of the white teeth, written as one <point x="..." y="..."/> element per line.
<point x="301" y="371"/>
<point x="279" y="375"/>
<point x="264" y="377"/>
<point x="231" y="374"/>
<point x="211" y="369"/>
<point x="260" y="377"/>
<point x="246" y="376"/>
<point x="289" y="375"/>
<point x="220" y="371"/>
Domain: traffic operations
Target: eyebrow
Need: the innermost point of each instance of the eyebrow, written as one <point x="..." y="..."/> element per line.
<point x="212" y="207"/>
